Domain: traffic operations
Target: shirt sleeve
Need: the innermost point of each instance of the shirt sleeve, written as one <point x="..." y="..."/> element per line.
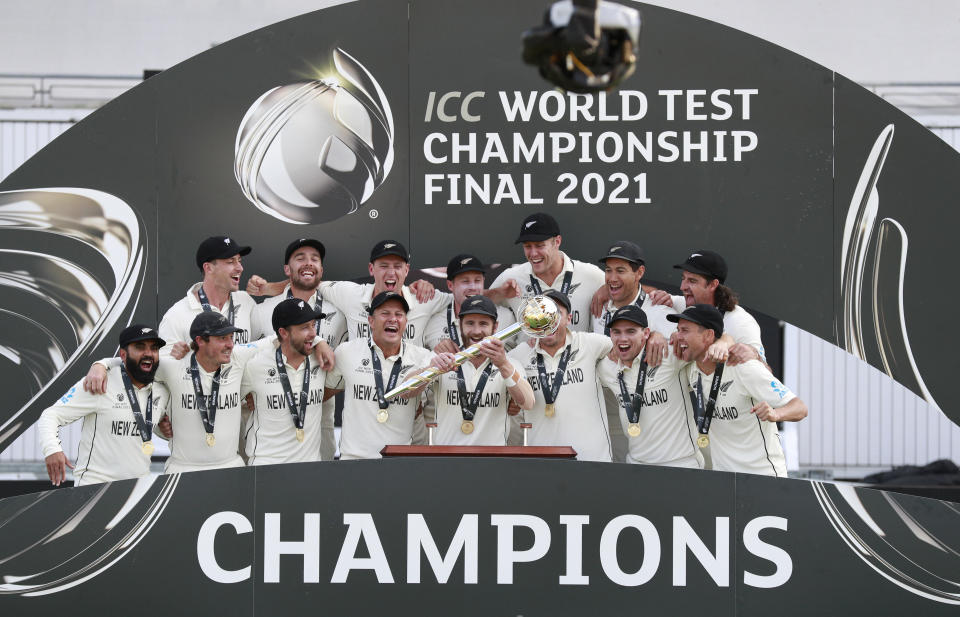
<point x="258" y="322"/>
<point x="594" y="276"/>
<point x="169" y="330"/>
<point x="433" y="332"/>
<point x="338" y="293"/>
<point x="72" y="406"/>
<point x="334" y="378"/>
<point x="761" y="385"/>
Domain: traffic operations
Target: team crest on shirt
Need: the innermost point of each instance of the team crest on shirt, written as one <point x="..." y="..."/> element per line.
<point x="315" y="370"/>
<point x="652" y="371"/>
<point x="120" y="397"/>
<point x="726" y="386"/>
<point x="573" y="354"/>
<point x="272" y="372"/>
<point x="225" y="372"/>
<point x="405" y="367"/>
<point x="365" y="362"/>
<point x="573" y="288"/>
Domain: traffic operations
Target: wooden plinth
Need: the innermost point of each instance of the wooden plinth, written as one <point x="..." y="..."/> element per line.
<point x="481" y="451"/>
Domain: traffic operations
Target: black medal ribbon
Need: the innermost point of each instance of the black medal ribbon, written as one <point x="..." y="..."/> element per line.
<point x="564" y="286"/>
<point x="551" y="390"/>
<point x="469" y="403"/>
<point x="318" y="306"/>
<point x="144" y="420"/>
<point x="633" y="404"/>
<point x="205" y="303"/>
<point x="208" y="411"/>
<point x="297" y="411"/>
<point x="378" y="376"/>
<point x="704" y="413"/>
<point x="452" y="326"/>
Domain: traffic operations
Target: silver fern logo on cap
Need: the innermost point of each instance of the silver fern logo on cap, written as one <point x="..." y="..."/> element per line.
<point x="313" y="151"/>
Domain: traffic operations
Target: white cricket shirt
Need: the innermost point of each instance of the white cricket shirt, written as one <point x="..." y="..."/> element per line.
<point x="361" y="436"/>
<point x="271" y="435"/>
<point x="581" y="418"/>
<point x="586" y="280"/>
<point x="491" y="422"/>
<point x="353" y="299"/>
<point x="667" y="430"/>
<point x="175" y="325"/>
<point x="110" y="441"/>
<point x="739" y="441"/>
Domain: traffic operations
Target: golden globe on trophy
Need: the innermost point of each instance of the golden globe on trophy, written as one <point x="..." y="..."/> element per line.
<point x="539" y="317"/>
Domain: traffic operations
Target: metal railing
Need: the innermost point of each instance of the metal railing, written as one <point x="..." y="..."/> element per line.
<point x="62" y="91"/>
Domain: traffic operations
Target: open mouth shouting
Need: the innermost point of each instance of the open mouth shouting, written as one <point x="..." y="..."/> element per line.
<point x="308" y="275"/>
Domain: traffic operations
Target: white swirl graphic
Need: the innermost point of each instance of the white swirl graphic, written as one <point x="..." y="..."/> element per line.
<point x="71" y="267"/>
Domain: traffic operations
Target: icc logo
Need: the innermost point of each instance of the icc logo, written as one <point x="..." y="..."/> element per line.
<point x="313" y="151"/>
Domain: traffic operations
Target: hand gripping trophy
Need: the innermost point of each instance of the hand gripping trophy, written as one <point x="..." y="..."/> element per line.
<point x="539" y="317"/>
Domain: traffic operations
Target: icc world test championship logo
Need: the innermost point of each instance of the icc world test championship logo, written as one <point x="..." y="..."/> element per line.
<point x="313" y="151"/>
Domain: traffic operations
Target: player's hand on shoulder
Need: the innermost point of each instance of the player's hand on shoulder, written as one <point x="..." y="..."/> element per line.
<point x="599" y="300"/>
<point x="95" y="381"/>
<point x="660" y="298"/>
<point x="740" y="353"/>
<point x="423" y="290"/>
<point x="324" y="355"/>
<point x="657" y="349"/>
<point x="179" y="350"/>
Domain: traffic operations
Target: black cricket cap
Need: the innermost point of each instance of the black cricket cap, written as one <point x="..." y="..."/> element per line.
<point x="292" y="312"/>
<point x="211" y="323"/>
<point x="386" y="296"/>
<point x="538" y="227"/>
<point x="464" y="263"/>
<point x="625" y="250"/>
<point x="296" y="244"/>
<point x="219" y="247"/>
<point x="389" y="247"/>
<point x="479" y="305"/>
<point x="560" y="298"/>
<point x="630" y="312"/>
<point x="706" y="315"/>
<point x="140" y="332"/>
<point x="706" y="263"/>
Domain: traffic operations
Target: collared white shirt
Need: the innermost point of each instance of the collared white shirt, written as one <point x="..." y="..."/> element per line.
<point x="491" y="422"/>
<point x="581" y="418"/>
<point x="353" y="300"/>
<point x="667" y="429"/>
<point x="175" y="325"/>
<point x="361" y="436"/>
<point x="271" y="435"/>
<point x="110" y="440"/>
<point x="739" y="440"/>
<point x="656" y="315"/>
<point x="333" y="327"/>
<point x="587" y="279"/>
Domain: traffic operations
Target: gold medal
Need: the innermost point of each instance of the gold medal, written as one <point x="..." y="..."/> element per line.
<point x="382" y="416"/>
<point x="549" y="410"/>
<point x="300" y="435"/>
<point x="466" y="427"/>
<point x="634" y="429"/>
<point x="703" y="441"/>
<point x="211" y="439"/>
<point x="147" y="448"/>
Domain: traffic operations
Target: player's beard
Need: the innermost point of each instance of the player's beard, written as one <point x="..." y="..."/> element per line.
<point x="138" y="374"/>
